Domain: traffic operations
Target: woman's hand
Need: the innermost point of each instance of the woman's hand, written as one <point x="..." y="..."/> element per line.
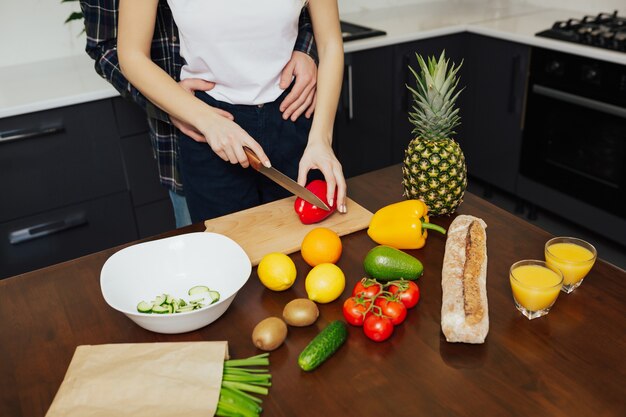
<point x="320" y="155"/>
<point x="227" y="138"/>
<point x="191" y="85"/>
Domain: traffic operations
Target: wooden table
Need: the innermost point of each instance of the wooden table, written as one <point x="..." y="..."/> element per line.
<point x="570" y="363"/>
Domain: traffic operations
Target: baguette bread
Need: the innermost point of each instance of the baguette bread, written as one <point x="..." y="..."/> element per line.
<point x="464" y="309"/>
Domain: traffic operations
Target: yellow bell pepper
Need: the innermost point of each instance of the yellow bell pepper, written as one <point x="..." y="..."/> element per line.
<point x="402" y="225"/>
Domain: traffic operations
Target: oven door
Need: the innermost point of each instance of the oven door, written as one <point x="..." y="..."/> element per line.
<point x="576" y="145"/>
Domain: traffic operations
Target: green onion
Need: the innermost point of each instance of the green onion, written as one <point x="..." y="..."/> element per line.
<point x="238" y="381"/>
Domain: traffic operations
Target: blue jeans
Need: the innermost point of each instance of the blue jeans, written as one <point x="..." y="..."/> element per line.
<point x="214" y="187"/>
<point x="181" y="212"/>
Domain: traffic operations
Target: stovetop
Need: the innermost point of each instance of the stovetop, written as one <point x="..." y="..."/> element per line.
<point x="605" y="30"/>
<point x="352" y="32"/>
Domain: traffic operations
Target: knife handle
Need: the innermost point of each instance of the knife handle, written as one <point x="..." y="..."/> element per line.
<point x="254" y="160"/>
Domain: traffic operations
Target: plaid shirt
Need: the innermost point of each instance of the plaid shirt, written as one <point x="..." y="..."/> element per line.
<point x="101" y="29"/>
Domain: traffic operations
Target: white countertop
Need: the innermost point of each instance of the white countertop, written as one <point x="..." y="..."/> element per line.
<point x="33" y="87"/>
<point x="50" y="84"/>
<point x="495" y="18"/>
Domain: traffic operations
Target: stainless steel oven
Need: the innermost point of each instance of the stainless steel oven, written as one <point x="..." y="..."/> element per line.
<point x="574" y="146"/>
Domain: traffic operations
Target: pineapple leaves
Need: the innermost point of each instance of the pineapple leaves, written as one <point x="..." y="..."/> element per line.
<point x="434" y="112"/>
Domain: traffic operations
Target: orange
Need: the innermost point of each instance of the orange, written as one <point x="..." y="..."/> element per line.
<point x="321" y="245"/>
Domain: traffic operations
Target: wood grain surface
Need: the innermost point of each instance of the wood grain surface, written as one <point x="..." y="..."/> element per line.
<point x="569" y="363"/>
<point x="275" y="227"/>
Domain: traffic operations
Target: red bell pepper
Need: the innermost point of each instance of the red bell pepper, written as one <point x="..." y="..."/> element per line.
<point x="309" y="213"/>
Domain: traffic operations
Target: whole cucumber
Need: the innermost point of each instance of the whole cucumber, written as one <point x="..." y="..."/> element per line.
<point x="323" y="345"/>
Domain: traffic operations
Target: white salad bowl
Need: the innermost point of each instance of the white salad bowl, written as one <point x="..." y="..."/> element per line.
<point x="172" y="266"/>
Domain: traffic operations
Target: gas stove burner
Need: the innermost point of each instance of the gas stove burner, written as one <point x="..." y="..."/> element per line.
<point x="604" y="30"/>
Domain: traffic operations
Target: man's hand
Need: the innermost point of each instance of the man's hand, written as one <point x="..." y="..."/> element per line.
<point x="301" y="98"/>
<point x="191" y="85"/>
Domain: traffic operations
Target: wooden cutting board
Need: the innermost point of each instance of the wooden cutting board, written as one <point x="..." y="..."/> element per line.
<point x="275" y="227"/>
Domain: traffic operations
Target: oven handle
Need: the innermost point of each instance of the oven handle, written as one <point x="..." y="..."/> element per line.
<point x="580" y="101"/>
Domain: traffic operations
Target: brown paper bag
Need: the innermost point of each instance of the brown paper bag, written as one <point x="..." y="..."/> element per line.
<point x="155" y="379"/>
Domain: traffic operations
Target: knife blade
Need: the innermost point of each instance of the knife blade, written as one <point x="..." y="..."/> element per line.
<point x="284" y="181"/>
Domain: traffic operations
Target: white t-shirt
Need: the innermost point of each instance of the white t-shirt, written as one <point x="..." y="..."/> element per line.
<point x="241" y="45"/>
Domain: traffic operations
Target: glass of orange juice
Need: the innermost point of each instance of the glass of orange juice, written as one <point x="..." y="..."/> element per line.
<point x="535" y="287"/>
<point x="574" y="257"/>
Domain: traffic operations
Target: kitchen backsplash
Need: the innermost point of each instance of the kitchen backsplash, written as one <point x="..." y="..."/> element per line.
<point x="33" y="30"/>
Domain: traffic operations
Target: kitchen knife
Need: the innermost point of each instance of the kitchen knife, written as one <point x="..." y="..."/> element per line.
<point x="283" y="180"/>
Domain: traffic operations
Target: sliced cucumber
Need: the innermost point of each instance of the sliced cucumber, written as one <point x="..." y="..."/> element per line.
<point x="144" y="307"/>
<point x="215" y="296"/>
<point x="198" y="289"/>
<point x="160" y="309"/>
<point x="168" y="304"/>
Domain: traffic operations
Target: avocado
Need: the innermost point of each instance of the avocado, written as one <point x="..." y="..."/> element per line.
<point x="386" y="264"/>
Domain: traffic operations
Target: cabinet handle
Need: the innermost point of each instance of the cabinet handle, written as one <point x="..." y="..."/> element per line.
<point x="30" y="132"/>
<point x="588" y="103"/>
<point x="350" y="94"/>
<point x="513" y="84"/>
<point x="47" y="228"/>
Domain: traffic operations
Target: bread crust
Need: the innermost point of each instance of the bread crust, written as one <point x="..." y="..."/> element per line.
<point x="464" y="309"/>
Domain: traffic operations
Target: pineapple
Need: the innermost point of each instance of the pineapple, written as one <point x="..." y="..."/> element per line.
<point x="434" y="165"/>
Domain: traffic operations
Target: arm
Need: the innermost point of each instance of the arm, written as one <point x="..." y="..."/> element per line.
<point x="101" y="29"/>
<point x="100" y="18"/>
<point x="305" y="42"/>
<point x="135" y="31"/>
<point x="302" y="66"/>
<point x="318" y="153"/>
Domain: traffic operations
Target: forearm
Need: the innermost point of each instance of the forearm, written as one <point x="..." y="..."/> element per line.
<point x="107" y="65"/>
<point x="327" y="32"/>
<point x="135" y="31"/>
<point x="160" y="89"/>
<point x="329" y="79"/>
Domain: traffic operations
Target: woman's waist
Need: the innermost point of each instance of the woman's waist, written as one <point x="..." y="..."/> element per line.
<point x="239" y="89"/>
<point x="230" y="98"/>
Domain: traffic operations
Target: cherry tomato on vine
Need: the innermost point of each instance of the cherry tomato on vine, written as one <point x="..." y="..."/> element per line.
<point x="354" y="309"/>
<point x="377" y="328"/>
<point x="407" y="291"/>
<point x="368" y="287"/>
<point x="392" y="308"/>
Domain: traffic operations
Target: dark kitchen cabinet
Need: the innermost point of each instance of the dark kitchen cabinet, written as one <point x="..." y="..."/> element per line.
<point x="78" y="179"/>
<point x="404" y="56"/>
<point x="58" y="157"/>
<point x="65" y="187"/>
<point x="65" y="233"/>
<point x="151" y="203"/>
<point x="363" y="130"/>
<point x="493" y="109"/>
<point x="493" y="77"/>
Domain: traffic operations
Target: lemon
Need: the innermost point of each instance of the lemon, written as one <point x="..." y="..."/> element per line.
<point x="325" y="283"/>
<point x="277" y="271"/>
